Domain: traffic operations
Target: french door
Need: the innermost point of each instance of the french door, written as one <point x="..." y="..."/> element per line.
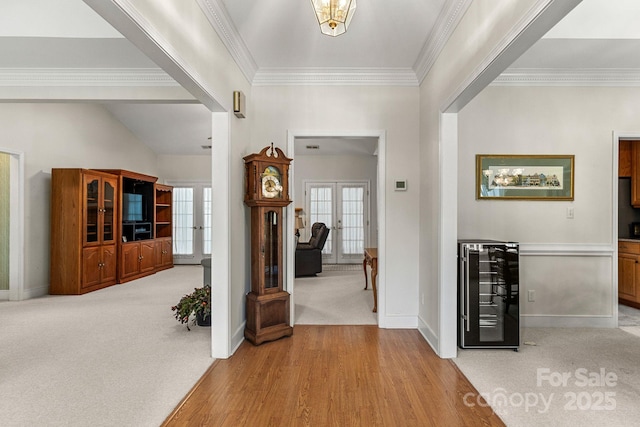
<point x="191" y="223"/>
<point x="344" y="208"/>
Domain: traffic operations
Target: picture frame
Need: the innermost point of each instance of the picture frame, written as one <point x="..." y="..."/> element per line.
<point x="524" y="176"/>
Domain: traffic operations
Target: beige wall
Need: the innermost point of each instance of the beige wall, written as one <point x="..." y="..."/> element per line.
<point x="552" y="120"/>
<point x="478" y="36"/>
<point x="361" y="108"/>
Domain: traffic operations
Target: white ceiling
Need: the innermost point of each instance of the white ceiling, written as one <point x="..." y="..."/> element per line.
<point x="283" y="37"/>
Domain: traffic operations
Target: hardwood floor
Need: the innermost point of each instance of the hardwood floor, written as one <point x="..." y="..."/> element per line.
<point x="334" y="376"/>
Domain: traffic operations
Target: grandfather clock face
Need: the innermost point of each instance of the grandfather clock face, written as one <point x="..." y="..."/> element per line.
<point x="271" y="181"/>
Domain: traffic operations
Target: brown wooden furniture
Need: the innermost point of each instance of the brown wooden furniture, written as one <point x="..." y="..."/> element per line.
<point x="629" y="273"/>
<point x="93" y="244"/>
<point x="371" y="258"/>
<point x="83" y="231"/>
<point x="267" y="193"/>
<point x="624" y="159"/>
<point x="635" y="170"/>
<point x="164" y="227"/>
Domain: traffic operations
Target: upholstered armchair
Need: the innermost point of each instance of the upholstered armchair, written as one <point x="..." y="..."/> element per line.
<point x="309" y="254"/>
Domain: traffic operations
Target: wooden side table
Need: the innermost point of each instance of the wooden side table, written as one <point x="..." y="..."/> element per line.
<point x="371" y="258"/>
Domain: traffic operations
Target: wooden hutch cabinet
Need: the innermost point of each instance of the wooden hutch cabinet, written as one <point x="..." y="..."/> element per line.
<point x="107" y="227"/>
<point x="83" y="231"/>
<point x="164" y="227"/>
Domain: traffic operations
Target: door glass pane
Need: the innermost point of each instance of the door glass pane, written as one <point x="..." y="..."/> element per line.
<point x="321" y="210"/>
<point x="92" y="211"/>
<point x="206" y="213"/>
<point x="183" y="221"/>
<point x="352" y="220"/>
<point x="109" y="195"/>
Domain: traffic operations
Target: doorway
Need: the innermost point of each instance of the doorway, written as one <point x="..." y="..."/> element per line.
<point x="344" y="208"/>
<point x="322" y="167"/>
<point x="191" y="222"/>
<point x="12" y="198"/>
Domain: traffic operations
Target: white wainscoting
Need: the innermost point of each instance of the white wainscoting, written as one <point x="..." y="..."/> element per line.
<point x="575" y="285"/>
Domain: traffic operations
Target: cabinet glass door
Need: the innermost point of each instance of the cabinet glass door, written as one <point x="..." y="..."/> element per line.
<point x="92" y="200"/>
<point x="108" y="211"/>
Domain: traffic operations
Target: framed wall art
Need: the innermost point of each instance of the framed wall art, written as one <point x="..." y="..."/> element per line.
<point x="524" y="177"/>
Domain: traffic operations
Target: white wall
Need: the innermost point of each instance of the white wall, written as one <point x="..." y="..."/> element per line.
<point x="62" y="136"/>
<point x="552" y="120"/>
<point x="184" y="168"/>
<point x="479" y="35"/>
<point x="338" y="168"/>
<point x="357" y="108"/>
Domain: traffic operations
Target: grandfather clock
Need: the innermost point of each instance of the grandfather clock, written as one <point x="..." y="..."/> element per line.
<point x="267" y="193"/>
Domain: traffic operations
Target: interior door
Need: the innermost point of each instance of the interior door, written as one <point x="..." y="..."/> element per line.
<point x="344" y="208"/>
<point x="191" y="223"/>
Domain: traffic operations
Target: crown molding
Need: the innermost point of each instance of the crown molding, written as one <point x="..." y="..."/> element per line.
<point x="127" y="77"/>
<point x="447" y="21"/>
<point x="221" y="22"/>
<point x="568" y="77"/>
<point x="335" y="77"/>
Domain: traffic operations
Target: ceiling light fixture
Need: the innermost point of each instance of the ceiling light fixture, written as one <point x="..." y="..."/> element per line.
<point x="334" y="16"/>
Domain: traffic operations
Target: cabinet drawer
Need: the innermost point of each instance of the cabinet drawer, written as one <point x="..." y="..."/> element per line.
<point x="629" y="247"/>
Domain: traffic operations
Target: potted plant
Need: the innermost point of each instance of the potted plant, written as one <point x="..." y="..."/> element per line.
<point x="197" y="303"/>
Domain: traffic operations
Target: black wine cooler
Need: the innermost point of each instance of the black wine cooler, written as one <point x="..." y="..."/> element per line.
<point x="488" y="294"/>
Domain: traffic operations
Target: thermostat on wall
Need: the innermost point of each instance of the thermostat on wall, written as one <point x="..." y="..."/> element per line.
<point x="401" y="185"/>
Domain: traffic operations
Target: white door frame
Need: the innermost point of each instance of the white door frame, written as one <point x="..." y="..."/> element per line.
<point x="367" y="206"/>
<point x="289" y="238"/>
<point x="16" y="221"/>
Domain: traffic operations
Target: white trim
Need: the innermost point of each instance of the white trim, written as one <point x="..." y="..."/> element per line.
<point x="395" y="321"/>
<point x="221" y="347"/>
<point x="17" y="230"/>
<point x="381" y="198"/>
<point x="222" y="23"/>
<point x="125" y="18"/>
<point x="533" y="25"/>
<point x="447" y="21"/>
<point x="569" y="321"/>
<point x="430" y="337"/>
<point x="237" y="338"/>
<point x="567" y="249"/>
<point x="83" y="77"/>
<point x="335" y="77"/>
<point x="447" y="237"/>
<point x="568" y="77"/>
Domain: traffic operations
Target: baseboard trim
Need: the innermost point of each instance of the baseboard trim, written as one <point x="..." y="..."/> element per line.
<point x="562" y="321"/>
<point x="429" y="336"/>
<point x="4" y="295"/>
<point x="35" y="292"/>
<point x="237" y="338"/>
<point x="400" y="322"/>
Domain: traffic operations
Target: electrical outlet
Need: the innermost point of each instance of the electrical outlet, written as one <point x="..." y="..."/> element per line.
<point x="570" y="212"/>
<point x="531" y="296"/>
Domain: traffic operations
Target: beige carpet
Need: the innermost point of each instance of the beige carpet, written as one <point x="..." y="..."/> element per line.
<point x="525" y="388"/>
<point x="114" y="357"/>
<point x="334" y="298"/>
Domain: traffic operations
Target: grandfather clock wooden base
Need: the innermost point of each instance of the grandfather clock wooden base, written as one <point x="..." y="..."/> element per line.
<point x="267" y="317"/>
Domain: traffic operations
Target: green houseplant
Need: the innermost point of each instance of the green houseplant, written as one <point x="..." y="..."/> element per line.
<point x="197" y="303"/>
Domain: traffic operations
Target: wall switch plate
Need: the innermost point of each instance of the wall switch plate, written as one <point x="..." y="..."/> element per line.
<point x="531" y="296"/>
<point x="570" y="212"/>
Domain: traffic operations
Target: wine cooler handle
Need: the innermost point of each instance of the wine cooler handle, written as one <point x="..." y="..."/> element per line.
<point x="466" y="289"/>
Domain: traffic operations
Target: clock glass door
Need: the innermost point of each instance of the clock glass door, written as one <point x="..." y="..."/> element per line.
<point x="271" y="250"/>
